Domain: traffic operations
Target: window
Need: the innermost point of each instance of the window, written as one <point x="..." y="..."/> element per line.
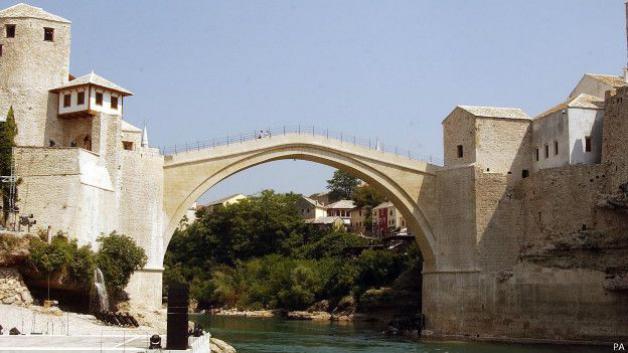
<point x="460" y="151"/>
<point x="525" y="173"/>
<point x="87" y="143"/>
<point x="546" y="151"/>
<point x="587" y="144"/>
<point x="67" y="100"/>
<point x="0" y="49"/>
<point x="127" y="145"/>
<point x="98" y="98"/>
<point x="114" y="102"/>
<point x="80" y="98"/>
<point x="556" y="148"/>
<point x="537" y="154"/>
<point x="10" y="30"/>
<point x="49" y="34"/>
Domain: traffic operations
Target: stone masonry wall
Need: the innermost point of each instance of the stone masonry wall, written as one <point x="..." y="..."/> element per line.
<point x="455" y="227"/>
<point x="459" y="129"/>
<point x="66" y="189"/>
<point x="615" y="137"/>
<point x="523" y="286"/>
<point x="503" y="145"/>
<point x="498" y="222"/>
<point x="29" y="68"/>
<point x="141" y="200"/>
<point x="141" y="217"/>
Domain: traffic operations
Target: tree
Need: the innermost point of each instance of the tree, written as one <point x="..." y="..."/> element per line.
<point x="367" y="196"/>
<point x="8" y="131"/>
<point x="64" y="258"/>
<point x="341" y="185"/>
<point x="118" y="258"/>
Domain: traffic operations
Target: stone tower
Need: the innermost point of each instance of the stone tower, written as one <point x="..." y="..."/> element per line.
<point x="34" y="57"/>
<point x="615" y="145"/>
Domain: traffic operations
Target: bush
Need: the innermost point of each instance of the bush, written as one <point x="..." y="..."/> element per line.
<point x="334" y="244"/>
<point x="118" y="258"/>
<point x="378" y="268"/>
<point x="259" y="253"/>
<point x="81" y="266"/>
<point x="64" y="257"/>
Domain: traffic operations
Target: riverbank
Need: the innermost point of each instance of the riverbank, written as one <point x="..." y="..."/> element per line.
<point x="287" y="315"/>
<point x="38" y="320"/>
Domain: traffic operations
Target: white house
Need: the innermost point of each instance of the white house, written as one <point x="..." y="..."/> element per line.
<point x="310" y="209"/>
<point x="342" y="209"/>
<point x="569" y="133"/>
<point x="90" y="94"/>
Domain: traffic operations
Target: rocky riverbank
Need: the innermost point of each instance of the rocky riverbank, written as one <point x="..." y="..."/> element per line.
<point x="307" y="315"/>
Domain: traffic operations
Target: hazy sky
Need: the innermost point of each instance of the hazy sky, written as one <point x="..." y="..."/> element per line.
<point x="386" y="69"/>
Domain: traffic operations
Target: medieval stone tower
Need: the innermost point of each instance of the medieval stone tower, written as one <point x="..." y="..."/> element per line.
<point x="34" y="56"/>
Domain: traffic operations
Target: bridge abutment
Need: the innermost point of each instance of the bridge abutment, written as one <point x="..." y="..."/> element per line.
<point x="145" y="287"/>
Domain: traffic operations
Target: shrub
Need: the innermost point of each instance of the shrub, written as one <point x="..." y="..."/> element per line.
<point x="118" y="258"/>
<point x="81" y="266"/>
<point x="334" y="244"/>
<point x="378" y="268"/>
<point x="62" y="256"/>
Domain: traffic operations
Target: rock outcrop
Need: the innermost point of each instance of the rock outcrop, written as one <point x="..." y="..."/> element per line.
<point x="13" y="291"/>
<point x="218" y="346"/>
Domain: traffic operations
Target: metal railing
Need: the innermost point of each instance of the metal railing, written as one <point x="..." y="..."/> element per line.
<point x="370" y="143"/>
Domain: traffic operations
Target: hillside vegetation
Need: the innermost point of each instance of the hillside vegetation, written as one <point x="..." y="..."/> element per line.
<point x="260" y="254"/>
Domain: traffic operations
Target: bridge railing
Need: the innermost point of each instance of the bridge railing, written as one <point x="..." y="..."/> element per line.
<point x="370" y="143"/>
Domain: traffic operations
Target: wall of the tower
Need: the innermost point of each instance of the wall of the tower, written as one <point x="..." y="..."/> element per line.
<point x="141" y="217"/>
<point x="459" y="138"/>
<point x="29" y="68"/>
<point x="614" y="137"/>
<point x="66" y="189"/>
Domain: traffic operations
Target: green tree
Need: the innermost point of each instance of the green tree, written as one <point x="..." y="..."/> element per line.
<point x="8" y="132"/>
<point x="64" y="257"/>
<point x="118" y="258"/>
<point x="341" y="185"/>
<point x="367" y="197"/>
<point x="259" y="253"/>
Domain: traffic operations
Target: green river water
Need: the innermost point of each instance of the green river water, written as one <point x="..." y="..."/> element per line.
<point x="251" y="335"/>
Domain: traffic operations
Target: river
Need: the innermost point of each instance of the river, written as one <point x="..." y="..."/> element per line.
<point x="254" y="335"/>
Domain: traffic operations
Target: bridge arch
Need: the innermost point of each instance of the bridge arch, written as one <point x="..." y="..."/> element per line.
<point x="407" y="183"/>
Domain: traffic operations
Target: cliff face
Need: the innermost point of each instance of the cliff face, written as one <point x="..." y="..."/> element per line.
<point x="603" y="251"/>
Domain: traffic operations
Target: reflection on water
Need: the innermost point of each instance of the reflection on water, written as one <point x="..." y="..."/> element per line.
<point x="249" y="335"/>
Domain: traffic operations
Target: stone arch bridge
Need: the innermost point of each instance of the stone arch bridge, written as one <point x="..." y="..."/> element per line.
<point x="407" y="182"/>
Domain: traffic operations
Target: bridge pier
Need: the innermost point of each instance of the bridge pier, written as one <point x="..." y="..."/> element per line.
<point x="145" y="287"/>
